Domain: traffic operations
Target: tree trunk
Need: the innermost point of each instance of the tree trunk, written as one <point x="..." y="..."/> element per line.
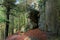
<point x="7" y="22"/>
<point x="12" y="21"/>
<point x="42" y="15"/>
<point x="52" y="11"/>
<point x="19" y="23"/>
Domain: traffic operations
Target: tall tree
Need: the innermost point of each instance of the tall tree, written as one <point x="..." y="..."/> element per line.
<point x="52" y="12"/>
<point x="8" y="4"/>
<point x="42" y="14"/>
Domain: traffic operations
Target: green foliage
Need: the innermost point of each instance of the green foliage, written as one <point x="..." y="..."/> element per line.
<point x="17" y="11"/>
<point x="9" y="3"/>
<point x="1" y="1"/>
<point x="2" y="14"/>
<point x="2" y="20"/>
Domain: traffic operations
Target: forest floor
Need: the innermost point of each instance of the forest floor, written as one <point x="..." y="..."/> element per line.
<point x="53" y="36"/>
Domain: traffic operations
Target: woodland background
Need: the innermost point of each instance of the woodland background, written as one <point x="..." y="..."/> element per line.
<point x="14" y="16"/>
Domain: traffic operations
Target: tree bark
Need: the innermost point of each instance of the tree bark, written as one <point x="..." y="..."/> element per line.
<point x="12" y="21"/>
<point x="52" y="11"/>
<point x="7" y="22"/>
